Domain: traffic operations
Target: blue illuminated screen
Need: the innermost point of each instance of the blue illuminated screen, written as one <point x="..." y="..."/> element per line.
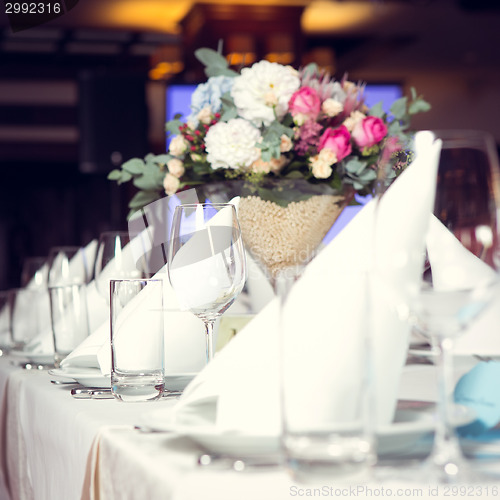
<point x="178" y="97"/>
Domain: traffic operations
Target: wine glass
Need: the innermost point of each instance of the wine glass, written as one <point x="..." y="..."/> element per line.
<point x="115" y="260"/>
<point x="68" y="265"/>
<point x="34" y="273"/>
<point x="206" y="261"/>
<point x="449" y="277"/>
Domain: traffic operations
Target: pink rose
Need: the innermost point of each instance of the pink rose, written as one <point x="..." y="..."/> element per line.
<point x="336" y="140"/>
<point x="305" y="102"/>
<point x="369" y="131"/>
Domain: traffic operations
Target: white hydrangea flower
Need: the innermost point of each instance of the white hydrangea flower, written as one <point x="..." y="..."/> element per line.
<point x="263" y="90"/>
<point x="232" y="144"/>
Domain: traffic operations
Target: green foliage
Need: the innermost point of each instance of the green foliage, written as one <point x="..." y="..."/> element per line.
<point x="215" y="63"/>
<point x="147" y="176"/>
<point x="173" y="126"/>
<point x="376" y="110"/>
<point x="398" y="108"/>
<point x="271" y="140"/>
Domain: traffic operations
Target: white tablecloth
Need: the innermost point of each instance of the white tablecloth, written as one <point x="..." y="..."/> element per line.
<point x="54" y="447"/>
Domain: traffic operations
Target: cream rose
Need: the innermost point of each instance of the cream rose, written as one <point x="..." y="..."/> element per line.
<point x="332" y="107"/>
<point x="320" y="169"/>
<point x="178" y="146"/>
<point x="205" y="115"/>
<point x="352" y="120"/>
<point x="286" y="144"/>
<point x="176" y="167"/>
<point x="321" y="164"/>
<point x="171" y="184"/>
<point x="261" y="166"/>
<point x="277" y="164"/>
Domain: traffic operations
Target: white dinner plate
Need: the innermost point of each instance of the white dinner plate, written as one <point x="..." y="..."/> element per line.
<point x="212" y="439"/>
<point x="92" y="377"/>
<point x="178" y="381"/>
<point x="88" y="377"/>
<point x="33" y="357"/>
<point x="409" y="426"/>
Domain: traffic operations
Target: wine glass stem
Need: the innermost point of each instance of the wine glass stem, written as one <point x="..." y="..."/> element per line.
<point x="209" y="330"/>
<point x="446" y="451"/>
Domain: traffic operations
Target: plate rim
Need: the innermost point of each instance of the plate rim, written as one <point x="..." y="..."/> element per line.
<point x="381" y="432"/>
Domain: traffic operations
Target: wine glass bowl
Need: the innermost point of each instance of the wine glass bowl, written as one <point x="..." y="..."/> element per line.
<point x="34" y="272"/>
<point x="206" y="261"/>
<point x="115" y="260"/>
<point x="68" y="265"/>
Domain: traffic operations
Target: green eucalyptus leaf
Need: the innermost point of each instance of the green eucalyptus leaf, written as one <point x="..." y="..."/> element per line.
<point x="210" y="57"/>
<point x="143" y="198"/>
<point x="398" y="108"/>
<point x="228" y="114"/>
<point x="162" y="159"/>
<point x="376" y="110"/>
<point x="227" y="100"/>
<point x="395" y="128"/>
<point x="115" y="175"/>
<point x="173" y="126"/>
<point x="418" y="106"/>
<point x="147" y="183"/>
<point x="134" y="166"/>
<point x="368" y="175"/>
<point x="126" y="176"/>
<point x="355" y="166"/>
<point x="153" y="171"/>
<point x="310" y="70"/>
<point x="219" y="71"/>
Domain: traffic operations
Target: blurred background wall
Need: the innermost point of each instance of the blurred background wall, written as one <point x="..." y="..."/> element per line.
<point x="87" y="90"/>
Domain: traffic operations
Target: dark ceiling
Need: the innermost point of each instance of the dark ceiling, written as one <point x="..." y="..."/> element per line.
<point x="454" y="34"/>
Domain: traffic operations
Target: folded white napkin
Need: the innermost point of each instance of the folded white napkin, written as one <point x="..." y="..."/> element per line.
<point x="453" y="266"/>
<point x="239" y="389"/>
<point x="40" y="277"/>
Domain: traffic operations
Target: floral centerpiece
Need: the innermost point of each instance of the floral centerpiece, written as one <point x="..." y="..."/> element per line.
<point x="271" y="123"/>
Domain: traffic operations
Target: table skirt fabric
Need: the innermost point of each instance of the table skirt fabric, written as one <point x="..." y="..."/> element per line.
<point x="55" y="447"/>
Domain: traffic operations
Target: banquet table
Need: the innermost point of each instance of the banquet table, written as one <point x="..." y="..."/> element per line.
<point x="56" y="447"/>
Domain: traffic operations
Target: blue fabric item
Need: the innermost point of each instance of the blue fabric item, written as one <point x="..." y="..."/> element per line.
<point x="479" y="389"/>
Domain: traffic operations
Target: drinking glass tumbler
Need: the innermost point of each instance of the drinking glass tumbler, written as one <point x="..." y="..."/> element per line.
<point x="69" y="317"/>
<point x="137" y="339"/>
